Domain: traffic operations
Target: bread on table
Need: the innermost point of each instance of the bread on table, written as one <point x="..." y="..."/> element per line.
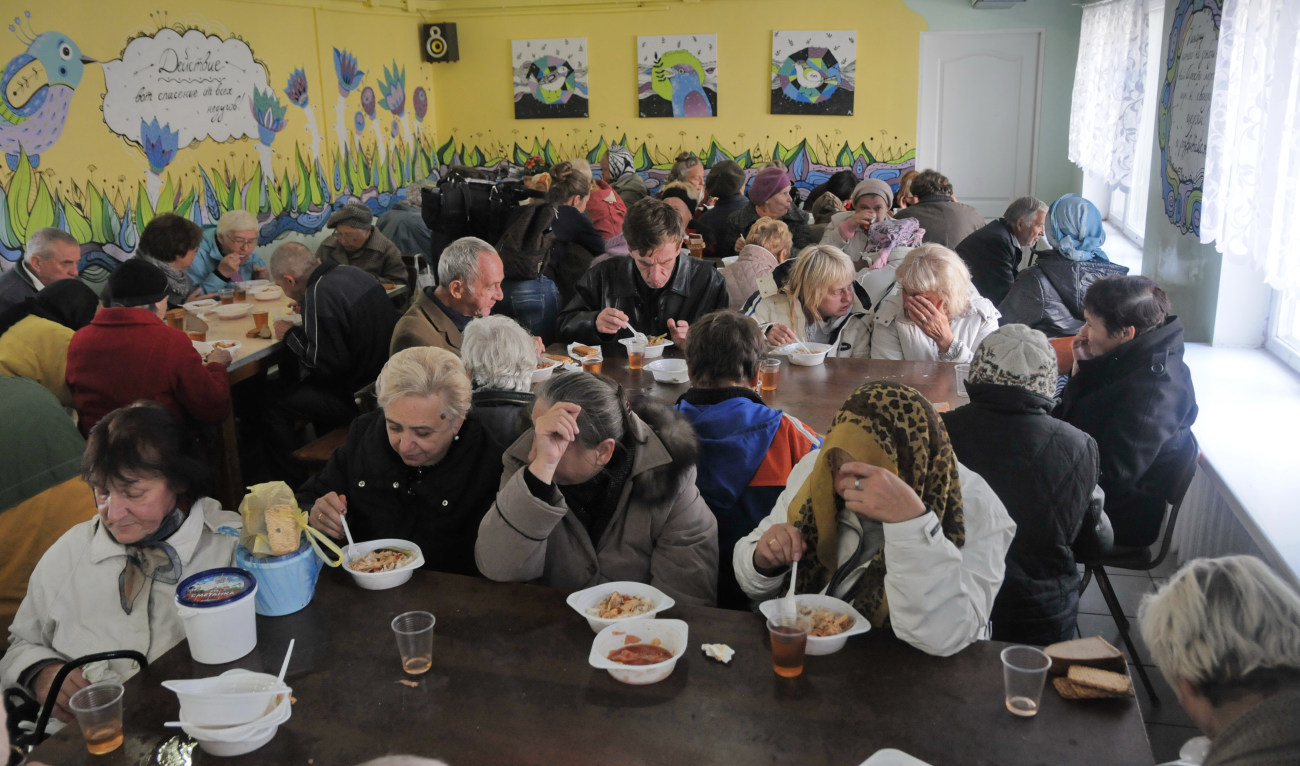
<point x="1083" y="682"/>
<point x="1093" y="651"/>
<point x="585" y="351"/>
<point x="282" y="530"/>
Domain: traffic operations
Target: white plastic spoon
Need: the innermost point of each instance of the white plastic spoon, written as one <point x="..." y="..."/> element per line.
<point x="284" y="668"/>
<point x="347" y="532"/>
<point x="789" y="606"/>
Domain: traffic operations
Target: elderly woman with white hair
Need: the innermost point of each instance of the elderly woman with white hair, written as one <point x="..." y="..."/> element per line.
<point x="818" y="304"/>
<point x="226" y="254"/>
<point x="499" y="357"/>
<point x="420" y="468"/>
<point x="934" y="313"/>
<point x="1226" y="635"/>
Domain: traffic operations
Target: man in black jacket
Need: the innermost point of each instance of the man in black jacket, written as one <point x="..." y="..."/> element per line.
<point x="993" y="253"/>
<point x="1043" y="470"/>
<point x="1131" y="391"/>
<point x="655" y="290"/>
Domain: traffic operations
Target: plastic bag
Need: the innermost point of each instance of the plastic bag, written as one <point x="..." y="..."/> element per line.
<point x="260" y="497"/>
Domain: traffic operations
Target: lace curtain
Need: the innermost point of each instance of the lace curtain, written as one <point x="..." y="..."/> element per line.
<point x="1106" y="106"/>
<point x="1251" y="202"/>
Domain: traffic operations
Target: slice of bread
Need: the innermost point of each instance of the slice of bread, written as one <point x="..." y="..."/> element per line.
<point x="282" y="530"/>
<point x="1093" y="652"/>
<point x="1118" y="684"/>
<point x="1071" y="691"/>
<point x="585" y="350"/>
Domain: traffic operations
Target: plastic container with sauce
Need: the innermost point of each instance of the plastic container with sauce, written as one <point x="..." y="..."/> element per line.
<point x="217" y="607"/>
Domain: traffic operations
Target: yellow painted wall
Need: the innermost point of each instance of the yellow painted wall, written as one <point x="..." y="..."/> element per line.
<point x="474" y="96"/>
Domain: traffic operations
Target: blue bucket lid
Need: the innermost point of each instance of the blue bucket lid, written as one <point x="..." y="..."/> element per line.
<point x="215" y="587"/>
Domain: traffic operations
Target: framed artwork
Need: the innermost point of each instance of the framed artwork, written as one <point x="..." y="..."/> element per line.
<point x="550" y="77"/>
<point x="813" y="72"/>
<point x="1184" y="110"/>
<point x="677" y="75"/>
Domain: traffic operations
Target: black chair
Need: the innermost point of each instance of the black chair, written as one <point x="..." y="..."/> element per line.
<point x="1141" y="559"/>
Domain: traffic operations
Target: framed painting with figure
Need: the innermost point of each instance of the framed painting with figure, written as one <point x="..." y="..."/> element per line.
<point x="550" y="78"/>
<point x="677" y="75"/>
<point x="813" y="72"/>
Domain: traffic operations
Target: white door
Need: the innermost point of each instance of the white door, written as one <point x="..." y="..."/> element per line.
<point x="977" y="120"/>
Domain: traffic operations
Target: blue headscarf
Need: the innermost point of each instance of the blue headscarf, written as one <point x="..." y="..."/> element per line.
<point x="1074" y="229"/>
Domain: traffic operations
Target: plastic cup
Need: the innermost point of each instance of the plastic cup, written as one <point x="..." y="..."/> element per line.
<point x="414" y="631"/>
<point x="789" y="636"/>
<point x="98" y="708"/>
<point x="768" y="372"/>
<point x="227" y="296"/>
<point x="241" y="293"/>
<point x="593" y="363"/>
<point x="199" y="335"/>
<point x="260" y="319"/>
<point x="962" y="371"/>
<point x="175" y="318"/>
<point x="635" y="354"/>
<point x="1024" y="669"/>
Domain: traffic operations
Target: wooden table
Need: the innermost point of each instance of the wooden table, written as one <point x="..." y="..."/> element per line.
<point x="510" y="684"/>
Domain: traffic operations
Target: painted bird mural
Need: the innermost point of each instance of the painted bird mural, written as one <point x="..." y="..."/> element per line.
<point x="689" y="99"/>
<point x="37" y="87"/>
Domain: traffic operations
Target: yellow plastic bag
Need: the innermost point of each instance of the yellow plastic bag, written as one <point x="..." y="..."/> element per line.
<point x="253" y="509"/>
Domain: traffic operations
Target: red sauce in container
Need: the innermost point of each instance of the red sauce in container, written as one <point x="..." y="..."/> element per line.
<point x="640" y="654"/>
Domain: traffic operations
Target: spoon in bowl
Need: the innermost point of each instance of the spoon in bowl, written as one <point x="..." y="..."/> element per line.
<point x="284" y="668"/>
<point x="347" y="532"/>
<point x="788" y="605"/>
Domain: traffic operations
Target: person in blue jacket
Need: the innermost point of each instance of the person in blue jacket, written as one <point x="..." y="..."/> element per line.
<point x="226" y="254"/>
<point x="747" y="449"/>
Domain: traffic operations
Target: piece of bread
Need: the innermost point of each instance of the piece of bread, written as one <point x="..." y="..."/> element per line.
<point x="1104" y="680"/>
<point x="282" y="530"/>
<point x="585" y="350"/>
<point x="556" y="358"/>
<point x="1071" y="691"/>
<point x="1093" y="651"/>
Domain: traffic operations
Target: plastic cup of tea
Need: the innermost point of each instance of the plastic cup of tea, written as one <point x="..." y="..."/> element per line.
<point x="789" y="636"/>
<point x="241" y="293"/>
<point x="963" y="372"/>
<point x="1024" y="669"/>
<point x="593" y="363"/>
<point x="635" y="354"/>
<point x="768" y="371"/>
<point x="227" y="296"/>
<point x="98" y="708"/>
<point x="260" y="319"/>
<point x="414" y="631"/>
<point x="199" y="335"/>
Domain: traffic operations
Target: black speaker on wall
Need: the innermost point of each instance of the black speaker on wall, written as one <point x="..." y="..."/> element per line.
<point x="439" y="42"/>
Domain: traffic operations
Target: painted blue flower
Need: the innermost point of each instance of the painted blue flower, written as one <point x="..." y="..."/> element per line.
<point x="393" y="89"/>
<point x="345" y="67"/>
<point x="296" y="90"/>
<point x="359" y="121"/>
<point x="160" y="144"/>
<point x="269" y="113"/>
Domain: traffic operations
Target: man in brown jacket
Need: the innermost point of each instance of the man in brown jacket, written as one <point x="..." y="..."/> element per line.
<point x="469" y="285"/>
<point x="944" y="219"/>
<point x="356" y="242"/>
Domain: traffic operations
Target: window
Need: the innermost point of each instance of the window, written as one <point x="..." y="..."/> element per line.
<point x="1128" y="200"/>
<point x="1284" y="327"/>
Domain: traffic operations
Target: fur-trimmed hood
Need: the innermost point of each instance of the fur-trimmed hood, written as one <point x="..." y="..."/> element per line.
<point x="666" y="448"/>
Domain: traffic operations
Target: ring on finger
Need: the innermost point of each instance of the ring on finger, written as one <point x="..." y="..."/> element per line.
<point x="857" y="483"/>
<point x="771" y="544"/>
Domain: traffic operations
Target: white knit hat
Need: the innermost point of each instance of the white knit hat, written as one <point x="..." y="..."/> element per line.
<point x="1015" y="355"/>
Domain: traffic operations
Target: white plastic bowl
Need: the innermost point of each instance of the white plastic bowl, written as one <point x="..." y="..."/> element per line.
<point x="651" y="352"/>
<point x="816" y="357"/>
<point x="583" y="600"/>
<point x="822" y="644"/>
<point x="266" y="293"/>
<point x="669" y="370"/>
<point x="253" y="284"/>
<point x="278" y="714"/>
<point x="234" y="310"/>
<point x="203" y="306"/>
<point x="672" y="635"/>
<point x="383" y="580"/>
<point x="542" y="374"/>
<point x="233" y="698"/>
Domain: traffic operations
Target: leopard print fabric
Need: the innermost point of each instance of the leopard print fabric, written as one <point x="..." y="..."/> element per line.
<point x="880" y="424"/>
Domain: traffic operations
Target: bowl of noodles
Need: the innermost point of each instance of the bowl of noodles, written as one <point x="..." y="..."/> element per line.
<point x="833" y="620"/>
<point x="382" y="564"/>
<point x="612" y="602"/>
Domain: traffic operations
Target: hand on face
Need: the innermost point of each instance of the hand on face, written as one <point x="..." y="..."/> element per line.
<point x="876" y="493"/>
<point x="931" y="318"/>
<point x="554" y="429"/>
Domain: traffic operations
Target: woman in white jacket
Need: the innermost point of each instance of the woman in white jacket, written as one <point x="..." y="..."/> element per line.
<point x="109" y="583"/>
<point x="934" y="312"/>
<point x="817" y="305"/>
<point x="884" y="517"/>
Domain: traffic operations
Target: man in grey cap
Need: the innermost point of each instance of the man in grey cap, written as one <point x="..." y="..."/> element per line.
<point x="356" y="242"/>
<point x="872" y="199"/>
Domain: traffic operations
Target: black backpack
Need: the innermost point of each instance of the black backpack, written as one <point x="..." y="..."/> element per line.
<point x="527" y="240"/>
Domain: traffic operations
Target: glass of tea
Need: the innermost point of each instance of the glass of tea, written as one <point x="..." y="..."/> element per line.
<point x="1024" y="669"/>
<point x="260" y="319"/>
<point x="789" y="636"/>
<point x="227" y="296"/>
<point x="593" y="363"/>
<point x="768" y="371"/>
<point x="241" y="293"/>
<point x="414" y="631"/>
<point x="635" y="354"/>
<point x="98" y="708"/>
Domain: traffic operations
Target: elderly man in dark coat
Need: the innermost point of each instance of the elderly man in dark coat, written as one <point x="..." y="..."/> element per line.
<point x="356" y="242"/>
<point x="993" y="253"/>
<point x="944" y="219"/>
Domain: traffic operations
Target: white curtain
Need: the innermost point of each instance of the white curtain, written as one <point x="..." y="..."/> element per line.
<point x="1251" y="201"/>
<point x="1106" y="108"/>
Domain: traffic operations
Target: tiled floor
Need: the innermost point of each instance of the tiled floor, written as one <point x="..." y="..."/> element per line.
<point x="1168" y="726"/>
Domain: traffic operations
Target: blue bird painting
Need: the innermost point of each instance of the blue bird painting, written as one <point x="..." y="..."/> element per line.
<point x="37" y="88"/>
<point x="689" y="99"/>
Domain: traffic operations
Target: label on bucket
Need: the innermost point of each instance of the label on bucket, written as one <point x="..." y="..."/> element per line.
<point x="214" y="587"/>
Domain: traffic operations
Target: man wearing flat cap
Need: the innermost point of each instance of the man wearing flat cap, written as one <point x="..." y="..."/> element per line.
<point x="871" y="202"/>
<point x="356" y="242"/>
<point x="770" y="197"/>
<point x="127" y="353"/>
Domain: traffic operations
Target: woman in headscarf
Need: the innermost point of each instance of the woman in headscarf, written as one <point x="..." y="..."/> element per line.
<point x="34" y="335"/>
<point x="110" y="583"/>
<point x="1048" y="296"/>
<point x="885" y="518"/>
<point x="619" y="169"/>
<point x="888" y="243"/>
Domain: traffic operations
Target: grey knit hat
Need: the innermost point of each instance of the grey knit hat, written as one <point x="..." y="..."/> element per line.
<point x="353" y="214"/>
<point x="1015" y="355"/>
<point x="874" y="186"/>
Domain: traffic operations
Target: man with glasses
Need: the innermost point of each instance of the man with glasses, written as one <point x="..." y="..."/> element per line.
<point x="655" y="290"/>
<point x="226" y="253"/>
<point x="356" y="242"/>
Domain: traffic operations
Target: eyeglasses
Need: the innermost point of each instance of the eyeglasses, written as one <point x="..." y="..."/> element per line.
<point x="242" y="241"/>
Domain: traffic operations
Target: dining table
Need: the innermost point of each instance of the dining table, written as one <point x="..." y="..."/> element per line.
<point x="510" y="683"/>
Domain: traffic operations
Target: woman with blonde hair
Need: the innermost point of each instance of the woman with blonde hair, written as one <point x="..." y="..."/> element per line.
<point x="934" y="312"/>
<point x="766" y="246"/>
<point x="419" y="468"/>
<point x="1226" y="635"/>
<point x="818" y="304"/>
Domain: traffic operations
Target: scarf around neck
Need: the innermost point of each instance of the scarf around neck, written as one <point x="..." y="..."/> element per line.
<point x="889" y="233"/>
<point x="150" y="559"/>
<point x="891" y="426"/>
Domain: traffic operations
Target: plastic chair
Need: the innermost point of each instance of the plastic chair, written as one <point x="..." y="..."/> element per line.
<point x="1064" y="348"/>
<point x="1141" y="559"/>
<point x="20" y="706"/>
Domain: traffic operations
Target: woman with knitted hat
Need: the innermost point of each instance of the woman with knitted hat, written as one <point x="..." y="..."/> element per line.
<point x="769" y="195"/>
<point x="619" y="169"/>
<point x="885" y="518"/>
<point x="870" y="203"/>
<point x="1043" y="469"/>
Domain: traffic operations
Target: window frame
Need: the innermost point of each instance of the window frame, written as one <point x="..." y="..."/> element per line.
<point x="1284" y="311"/>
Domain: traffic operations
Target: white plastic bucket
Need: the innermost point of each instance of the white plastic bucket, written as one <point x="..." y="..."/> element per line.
<point x="217" y="607"/>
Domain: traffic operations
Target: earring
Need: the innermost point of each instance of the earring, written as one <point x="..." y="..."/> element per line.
<point x="455" y="438"/>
